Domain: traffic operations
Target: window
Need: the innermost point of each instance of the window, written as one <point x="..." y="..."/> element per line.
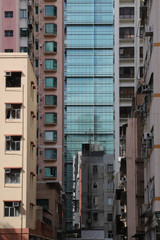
<point x="50" y="28"/>
<point x="50" y="118"/>
<point x="8" y="33"/>
<point x="109" y="217"/>
<point x="126" y="13"/>
<point x="110" y="234"/>
<point x="13" y="79"/>
<point x="50" y="11"/>
<point x="126" y="33"/>
<point x="110" y="201"/>
<point x="50" y="47"/>
<point x="51" y="64"/>
<point x="37" y="28"/>
<point x="95" y="216"/>
<point x="141" y="52"/>
<point x="13" y="143"/>
<point x="95" y="201"/>
<point x="110" y="168"/>
<point x="8" y="14"/>
<point x="23" y="13"/>
<point x="50" y="172"/>
<point x="50" y="136"/>
<point x="126" y="72"/>
<point x="94" y="185"/>
<point x="50" y="153"/>
<point x="124" y="112"/>
<point x="8" y="50"/>
<point x="126" y="52"/>
<point x="36" y="10"/>
<point x="37" y="45"/>
<point x="23" y="49"/>
<point x="43" y="203"/>
<point x="95" y="168"/>
<point x="11" y="209"/>
<point x="50" y="82"/>
<point x="126" y="92"/>
<point x="110" y="185"/>
<point x="23" y="32"/>
<point x="50" y="100"/>
<point x="12" y="176"/>
<point x="13" y="111"/>
<point x="36" y="62"/>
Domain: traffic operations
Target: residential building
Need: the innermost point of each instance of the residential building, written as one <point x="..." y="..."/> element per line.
<point x="151" y="114"/>
<point x="18" y="110"/>
<point x="128" y="48"/>
<point x="37" y="27"/>
<point x="88" y="82"/>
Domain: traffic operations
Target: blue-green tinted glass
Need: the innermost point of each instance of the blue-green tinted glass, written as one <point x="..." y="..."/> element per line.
<point x="50" y="82"/>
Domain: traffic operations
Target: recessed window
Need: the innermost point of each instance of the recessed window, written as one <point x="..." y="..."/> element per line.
<point x="126" y="12"/>
<point x="13" y="143"/>
<point x="109" y="217"/>
<point x="37" y="28"/>
<point x="51" y="64"/>
<point x="50" y="136"/>
<point x="50" y="82"/>
<point x="36" y="9"/>
<point x="50" y="28"/>
<point x="43" y="203"/>
<point x="50" y="46"/>
<point x="110" y="234"/>
<point x="13" y="111"/>
<point x="110" y="185"/>
<point x="50" y="11"/>
<point x="94" y="185"/>
<point x="110" y="168"/>
<point x="50" y="172"/>
<point x="8" y="14"/>
<point x="23" y="13"/>
<point x="95" y="216"/>
<point x="50" y="153"/>
<point x="23" y="49"/>
<point x="36" y="62"/>
<point x="8" y="50"/>
<point x="13" y="79"/>
<point x="50" y="118"/>
<point x="12" y="176"/>
<point x="37" y="45"/>
<point x="8" y="33"/>
<point x="126" y="72"/>
<point x="95" y="169"/>
<point x="23" y="32"/>
<point x="50" y="100"/>
<point x="11" y="209"/>
<point x="110" y="201"/>
<point x="126" y="33"/>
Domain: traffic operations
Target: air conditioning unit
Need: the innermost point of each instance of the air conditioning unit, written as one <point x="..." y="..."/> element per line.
<point x="145" y="135"/>
<point x="40" y="28"/>
<point x="41" y="10"/>
<point x="41" y="99"/>
<point x="40" y="45"/>
<point x="8" y="74"/>
<point x="8" y="105"/>
<point x="148" y="31"/>
<point x="40" y="152"/>
<point x="40" y="63"/>
<point x="15" y="204"/>
<point x="7" y="170"/>
<point x="8" y="138"/>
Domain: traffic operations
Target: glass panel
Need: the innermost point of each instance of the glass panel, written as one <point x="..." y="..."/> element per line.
<point x="50" y="117"/>
<point x="50" y="11"/>
<point x="50" y="153"/>
<point x="50" y="64"/>
<point x="50" y="46"/>
<point x="50" y="28"/>
<point x="50" y="100"/>
<point x="51" y="82"/>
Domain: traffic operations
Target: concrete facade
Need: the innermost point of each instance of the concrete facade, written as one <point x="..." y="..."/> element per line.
<point x="18" y="109"/>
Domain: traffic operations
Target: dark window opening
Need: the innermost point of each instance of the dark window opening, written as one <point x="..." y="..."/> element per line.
<point x="126" y="13"/>
<point x="126" y="52"/>
<point x="8" y="14"/>
<point x="14" y="80"/>
<point x="126" y="33"/>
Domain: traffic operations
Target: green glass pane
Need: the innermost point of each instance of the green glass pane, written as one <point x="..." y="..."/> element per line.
<point x="50" y="28"/>
<point x="50" y="100"/>
<point x="51" y="82"/>
<point x="51" y="11"/>
<point x="50" y="64"/>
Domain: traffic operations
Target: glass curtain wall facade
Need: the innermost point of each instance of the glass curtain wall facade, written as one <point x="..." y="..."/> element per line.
<point x="88" y="82"/>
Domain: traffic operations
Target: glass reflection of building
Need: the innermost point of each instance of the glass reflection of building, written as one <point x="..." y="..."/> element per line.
<point x="88" y="81"/>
